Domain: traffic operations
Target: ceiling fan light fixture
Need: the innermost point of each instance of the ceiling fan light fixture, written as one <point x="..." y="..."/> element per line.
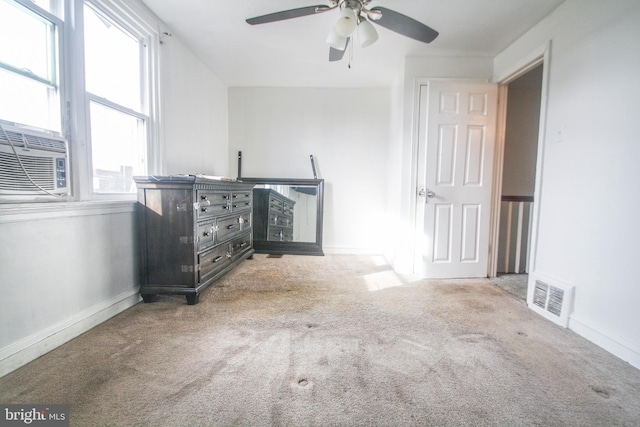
<point x="335" y="40"/>
<point x="347" y="23"/>
<point x="367" y="34"/>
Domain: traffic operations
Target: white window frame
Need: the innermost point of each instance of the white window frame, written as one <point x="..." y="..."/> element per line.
<point x="137" y="21"/>
<point x="56" y="82"/>
<point x="75" y="101"/>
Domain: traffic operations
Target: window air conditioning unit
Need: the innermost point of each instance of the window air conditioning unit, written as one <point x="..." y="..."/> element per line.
<point x="40" y="167"/>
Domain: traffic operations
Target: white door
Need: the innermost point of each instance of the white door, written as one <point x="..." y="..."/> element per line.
<point x="456" y="139"/>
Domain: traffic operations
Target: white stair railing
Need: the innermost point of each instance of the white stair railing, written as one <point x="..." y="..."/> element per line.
<point x="515" y="232"/>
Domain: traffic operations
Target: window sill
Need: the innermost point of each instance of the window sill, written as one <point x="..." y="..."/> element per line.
<point x="44" y="211"/>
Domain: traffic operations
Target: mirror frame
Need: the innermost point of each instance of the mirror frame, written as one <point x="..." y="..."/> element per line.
<point x="293" y="248"/>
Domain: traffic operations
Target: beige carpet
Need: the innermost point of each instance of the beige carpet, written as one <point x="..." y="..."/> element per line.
<point x="334" y="340"/>
<point x="515" y="284"/>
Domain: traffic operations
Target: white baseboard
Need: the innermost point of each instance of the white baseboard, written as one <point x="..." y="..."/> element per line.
<point x="617" y="345"/>
<point x="350" y="251"/>
<point x="30" y="348"/>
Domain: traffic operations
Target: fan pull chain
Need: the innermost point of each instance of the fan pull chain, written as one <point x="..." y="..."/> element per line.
<point x="350" y="52"/>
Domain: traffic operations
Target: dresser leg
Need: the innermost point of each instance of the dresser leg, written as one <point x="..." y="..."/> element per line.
<point x="148" y="297"/>
<point x="192" y="299"/>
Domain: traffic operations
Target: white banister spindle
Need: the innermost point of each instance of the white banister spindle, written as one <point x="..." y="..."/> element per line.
<point x="512" y="250"/>
<point x="529" y="228"/>
<point x="516" y="267"/>
<point x="507" y="249"/>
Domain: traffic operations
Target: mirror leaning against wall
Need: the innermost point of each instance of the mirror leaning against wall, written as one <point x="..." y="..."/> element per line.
<point x="287" y="215"/>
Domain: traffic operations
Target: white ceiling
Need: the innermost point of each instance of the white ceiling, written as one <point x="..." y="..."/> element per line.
<point x="294" y="52"/>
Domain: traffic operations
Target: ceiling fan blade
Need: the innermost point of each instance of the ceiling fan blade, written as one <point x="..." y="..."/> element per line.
<point x="337" y="54"/>
<point x="288" y="14"/>
<point x="404" y="25"/>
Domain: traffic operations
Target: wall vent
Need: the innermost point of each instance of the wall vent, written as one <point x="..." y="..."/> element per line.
<point x="554" y="302"/>
<point x="548" y="297"/>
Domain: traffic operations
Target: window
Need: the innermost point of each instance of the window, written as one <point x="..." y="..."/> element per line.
<point x="30" y="65"/>
<point x="94" y="84"/>
<point x="115" y="80"/>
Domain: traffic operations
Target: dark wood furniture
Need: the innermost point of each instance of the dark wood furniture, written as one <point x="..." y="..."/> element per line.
<point x="273" y="215"/>
<point x="192" y="230"/>
<point x="310" y="245"/>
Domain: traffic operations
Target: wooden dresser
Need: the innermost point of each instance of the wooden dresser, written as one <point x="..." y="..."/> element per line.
<point x="192" y="230"/>
<point x="273" y="215"/>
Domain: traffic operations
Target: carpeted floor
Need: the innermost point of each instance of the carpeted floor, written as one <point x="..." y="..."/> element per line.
<point x="515" y="284"/>
<point x="334" y="340"/>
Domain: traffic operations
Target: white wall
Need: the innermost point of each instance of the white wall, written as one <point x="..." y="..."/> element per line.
<point x="394" y="250"/>
<point x="195" y="120"/>
<point x="65" y="268"/>
<point x="588" y="227"/>
<point x="62" y="270"/>
<point x="521" y="138"/>
<point x="346" y="130"/>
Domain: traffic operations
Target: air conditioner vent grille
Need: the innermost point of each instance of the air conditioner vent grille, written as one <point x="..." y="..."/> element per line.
<point x="41" y="170"/>
<point x="25" y="140"/>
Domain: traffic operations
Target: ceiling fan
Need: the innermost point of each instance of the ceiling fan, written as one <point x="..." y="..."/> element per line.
<point x="354" y="18"/>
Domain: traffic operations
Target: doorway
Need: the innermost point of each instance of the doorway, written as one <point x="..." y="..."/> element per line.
<point x="522" y="120"/>
<point x="455" y="158"/>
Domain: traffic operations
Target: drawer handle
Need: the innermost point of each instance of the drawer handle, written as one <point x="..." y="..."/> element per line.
<point x="218" y="258"/>
<point x="203" y="197"/>
<point x="206" y="234"/>
<point x="229" y="227"/>
<point x="205" y="210"/>
<point x="243" y="244"/>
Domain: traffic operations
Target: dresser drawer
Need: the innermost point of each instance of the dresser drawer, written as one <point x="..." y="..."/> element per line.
<point x="212" y="261"/>
<point x="212" y="203"/>
<point x="227" y="228"/>
<point x="280" y="220"/>
<point x="284" y="221"/>
<point x="206" y="212"/>
<point x="276" y="205"/>
<point x="280" y="234"/>
<point x="206" y="235"/>
<point x="240" y="205"/>
<point x="245" y="221"/>
<point x="241" y="196"/>
<point x="287" y="209"/>
<point x="212" y="197"/>
<point x="240" y="244"/>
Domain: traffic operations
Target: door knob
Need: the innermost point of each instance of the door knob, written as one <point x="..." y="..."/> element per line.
<point x="426" y="193"/>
